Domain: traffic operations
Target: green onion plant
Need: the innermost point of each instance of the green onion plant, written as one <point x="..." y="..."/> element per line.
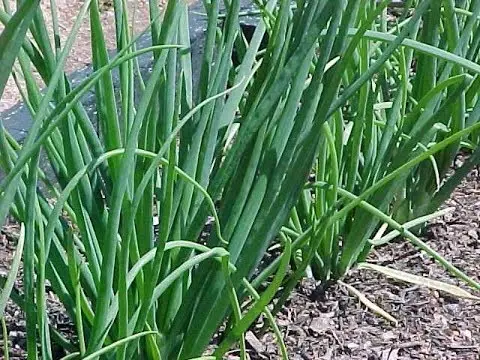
<point x="118" y="232"/>
<point x="385" y="156"/>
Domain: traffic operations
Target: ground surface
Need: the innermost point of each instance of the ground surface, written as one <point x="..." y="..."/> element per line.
<point x="432" y="325"/>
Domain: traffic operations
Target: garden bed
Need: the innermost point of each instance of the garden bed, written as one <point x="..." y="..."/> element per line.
<point x="335" y="325"/>
<point x="431" y="325"/>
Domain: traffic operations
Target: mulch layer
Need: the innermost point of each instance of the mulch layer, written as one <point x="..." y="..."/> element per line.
<point x="432" y="325"/>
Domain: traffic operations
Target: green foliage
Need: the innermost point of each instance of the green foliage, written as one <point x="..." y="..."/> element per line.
<point x="394" y="141"/>
<point x="332" y="89"/>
